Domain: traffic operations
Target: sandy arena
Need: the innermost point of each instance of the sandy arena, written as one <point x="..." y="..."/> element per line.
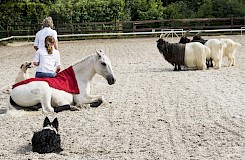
<point x="152" y="111"/>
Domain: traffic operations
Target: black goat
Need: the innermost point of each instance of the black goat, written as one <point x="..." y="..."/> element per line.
<point x="174" y="53"/>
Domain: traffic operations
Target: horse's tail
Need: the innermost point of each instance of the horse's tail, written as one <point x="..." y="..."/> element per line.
<point x="15" y="112"/>
<point x="6" y="90"/>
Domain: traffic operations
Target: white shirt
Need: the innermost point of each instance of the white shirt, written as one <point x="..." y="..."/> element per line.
<point x="47" y="62"/>
<point x="42" y="34"/>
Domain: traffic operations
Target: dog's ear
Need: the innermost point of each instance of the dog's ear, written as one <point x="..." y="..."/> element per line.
<point x="55" y="124"/>
<point x="21" y="66"/>
<point x="46" y="122"/>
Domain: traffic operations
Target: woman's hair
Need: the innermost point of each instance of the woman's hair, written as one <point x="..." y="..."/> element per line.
<point x="48" y="22"/>
<point x="49" y="42"/>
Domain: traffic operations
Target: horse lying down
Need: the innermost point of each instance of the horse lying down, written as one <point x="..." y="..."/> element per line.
<point x="191" y="55"/>
<point x="70" y="85"/>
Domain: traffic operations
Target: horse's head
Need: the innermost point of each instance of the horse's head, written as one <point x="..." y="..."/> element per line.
<point x="104" y="68"/>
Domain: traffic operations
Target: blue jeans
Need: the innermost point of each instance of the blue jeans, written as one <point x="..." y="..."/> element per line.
<point x="44" y="75"/>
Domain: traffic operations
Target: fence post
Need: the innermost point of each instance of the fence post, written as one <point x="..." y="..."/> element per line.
<point x="134" y="27"/>
<point x="231" y="23"/>
<point x="57" y="26"/>
<point x="7" y="30"/>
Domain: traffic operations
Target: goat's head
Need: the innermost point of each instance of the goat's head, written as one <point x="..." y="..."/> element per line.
<point x="197" y="36"/>
<point x="184" y="38"/>
<point x="162" y="45"/>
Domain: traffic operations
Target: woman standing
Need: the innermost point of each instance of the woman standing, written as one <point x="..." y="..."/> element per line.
<point x="47" y="59"/>
<point x="47" y="30"/>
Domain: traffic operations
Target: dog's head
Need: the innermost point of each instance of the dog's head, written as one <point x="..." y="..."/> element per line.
<point x="47" y="140"/>
<point x="25" y="66"/>
<point x="51" y="125"/>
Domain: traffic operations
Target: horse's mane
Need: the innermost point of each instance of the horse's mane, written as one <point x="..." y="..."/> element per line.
<point x="84" y="59"/>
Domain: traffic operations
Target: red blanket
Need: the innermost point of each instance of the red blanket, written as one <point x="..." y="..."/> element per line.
<point x="64" y="80"/>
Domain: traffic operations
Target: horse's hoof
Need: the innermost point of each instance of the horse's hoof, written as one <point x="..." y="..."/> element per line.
<point x="96" y="104"/>
<point x="74" y="108"/>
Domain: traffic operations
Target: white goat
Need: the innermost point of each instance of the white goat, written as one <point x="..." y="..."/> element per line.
<point x="230" y="50"/>
<point x="217" y="48"/>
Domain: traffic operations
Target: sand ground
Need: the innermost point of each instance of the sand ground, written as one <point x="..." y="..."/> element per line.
<point x="154" y="113"/>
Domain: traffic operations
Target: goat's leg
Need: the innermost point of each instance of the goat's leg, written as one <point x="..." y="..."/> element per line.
<point x="207" y="63"/>
<point x="204" y="66"/>
<point x="230" y="61"/>
<point x="233" y="61"/>
<point x="211" y="62"/>
<point x="179" y="67"/>
<point x="175" y="67"/>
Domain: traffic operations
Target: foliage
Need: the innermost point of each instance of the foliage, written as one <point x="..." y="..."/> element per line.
<point x="221" y="8"/>
<point x="66" y="12"/>
<point x="178" y="10"/>
<point x="147" y="10"/>
<point x="23" y="12"/>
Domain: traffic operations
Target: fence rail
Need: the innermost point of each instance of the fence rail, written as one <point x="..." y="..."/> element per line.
<point x="19" y="29"/>
<point x="172" y="32"/>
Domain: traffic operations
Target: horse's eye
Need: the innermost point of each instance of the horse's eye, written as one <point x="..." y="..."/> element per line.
<point x="103" y="63"/>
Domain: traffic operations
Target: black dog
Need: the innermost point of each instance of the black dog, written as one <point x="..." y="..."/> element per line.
<point x="47" y="140"/>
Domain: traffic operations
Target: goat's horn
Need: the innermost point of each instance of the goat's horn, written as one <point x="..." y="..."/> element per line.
<point x="186" y="33"/>
<point x="161" y="36"/>
<point x="198" y="33"/>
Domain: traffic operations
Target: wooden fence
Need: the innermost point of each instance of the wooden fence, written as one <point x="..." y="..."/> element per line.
<point x="63" y="28"/>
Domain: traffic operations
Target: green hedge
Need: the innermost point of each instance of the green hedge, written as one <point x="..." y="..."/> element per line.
<point x="23" y="13"/>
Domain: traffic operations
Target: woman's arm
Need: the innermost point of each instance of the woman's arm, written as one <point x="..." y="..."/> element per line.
<point x="56" y="44"/>
<point x="58" y="69"/>
<point x="35" y="47"/>
<point x="36" y="63"/>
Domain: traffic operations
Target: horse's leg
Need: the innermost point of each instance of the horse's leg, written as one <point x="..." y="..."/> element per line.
<point x="62" y="100"/>
<point x="10" y="106"/>
<point x="94" y="100"/>
<point x="62" y="108"/>
<point x="46" y="100"/>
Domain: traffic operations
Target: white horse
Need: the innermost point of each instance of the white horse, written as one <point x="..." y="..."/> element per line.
<point x="30" y="94"/>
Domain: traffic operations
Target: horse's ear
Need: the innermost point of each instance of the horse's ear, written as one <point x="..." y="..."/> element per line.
<point x="46" y="122"/>
<point x="55" y="124"/>
<point x="99" y="53"/>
